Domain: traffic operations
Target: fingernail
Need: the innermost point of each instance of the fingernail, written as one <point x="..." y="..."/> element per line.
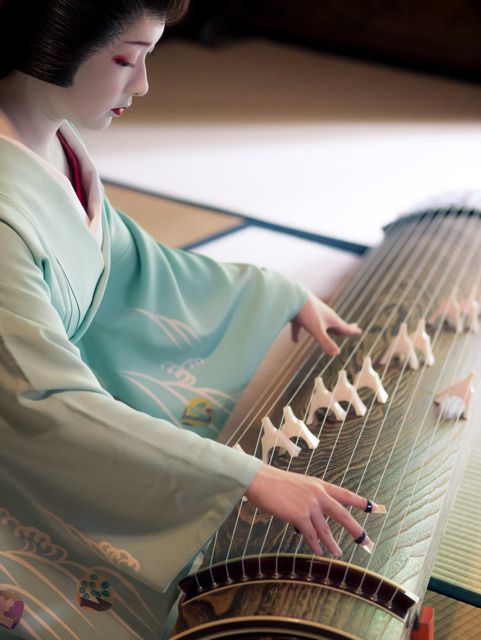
<point x="338" y="553"/>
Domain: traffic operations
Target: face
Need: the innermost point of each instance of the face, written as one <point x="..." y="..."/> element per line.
<point x="107" y="81"/>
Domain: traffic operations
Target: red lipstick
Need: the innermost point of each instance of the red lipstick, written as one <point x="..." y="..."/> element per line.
<point x="118" y="112"/>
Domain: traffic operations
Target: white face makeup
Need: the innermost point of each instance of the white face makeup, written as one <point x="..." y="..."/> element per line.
<point x="110" y="78"/>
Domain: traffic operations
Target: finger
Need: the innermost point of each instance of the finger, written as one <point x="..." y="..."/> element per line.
<point x="310" y="536"/>
<point x="341" y="515"/>
<point x="373" y="507"/>
<point x="327" y="343"/>
<point x="324" y="533"/>
<point x="345" y="496"/>
<point x="350" y="498"/>
<point x="345" y="328"/>
<point x="319" y="333"/>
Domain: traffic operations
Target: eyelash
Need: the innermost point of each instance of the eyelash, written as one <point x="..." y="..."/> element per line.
<point x="122" y="62"/>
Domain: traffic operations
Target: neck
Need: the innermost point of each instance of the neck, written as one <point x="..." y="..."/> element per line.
<point x="26" y="112"/>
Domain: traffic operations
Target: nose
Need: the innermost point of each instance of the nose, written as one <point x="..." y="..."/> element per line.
<point x="140" y="84"/>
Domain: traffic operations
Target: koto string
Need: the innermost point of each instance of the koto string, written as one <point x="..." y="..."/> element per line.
<point x="350" y="293"/>
<point x="423" y="225"/>
<point x="357" y="302"/>
<point x="393" y="395"/>
<point x="343" y="298"/>
<point x="289" y="466"/>
<point x="428" y="448"/>
<point x="408" y="232"/>
<point x="413" y="305"/>
<point x="304" y="348"/>
<point x="395" y="239"/>
<point x="418" y="381"/>
<point x="454" y="432"/>
<point x="364" y="275"/>
<point x="293" y="361"/>
<point x="434" y="250"/>
<point x="453" y="435"/>
<point x="403" y="422"/>
<point x="342" y="425"/>
<point x="440" y="258"/>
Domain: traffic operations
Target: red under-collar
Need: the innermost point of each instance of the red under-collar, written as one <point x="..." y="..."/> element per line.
<point x="75" y="170"/>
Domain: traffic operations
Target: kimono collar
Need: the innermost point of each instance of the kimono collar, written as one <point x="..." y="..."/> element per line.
<point x="48" y="200"/>
<point x="90" y="179"/>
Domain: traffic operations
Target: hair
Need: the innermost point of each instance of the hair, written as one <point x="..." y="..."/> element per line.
<point x="49" y="39"/>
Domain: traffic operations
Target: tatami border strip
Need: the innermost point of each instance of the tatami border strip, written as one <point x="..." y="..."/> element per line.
<point x="336" y="243"/>
<point x="216" y="236"/>
<point x="455" y="591"/>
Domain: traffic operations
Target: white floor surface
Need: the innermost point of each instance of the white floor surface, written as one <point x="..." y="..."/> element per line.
<point x="294" y="137"/>
<point x="321" y="269"/>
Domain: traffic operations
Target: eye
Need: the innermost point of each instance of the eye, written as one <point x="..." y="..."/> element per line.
<point x="122" y="62"/>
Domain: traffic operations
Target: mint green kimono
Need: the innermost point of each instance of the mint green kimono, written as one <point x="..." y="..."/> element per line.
<point x="116" y="355"/>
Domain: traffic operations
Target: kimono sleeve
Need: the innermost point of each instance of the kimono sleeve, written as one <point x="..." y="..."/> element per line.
<point x="175" y="328"/>
<point x="69" y="450"/>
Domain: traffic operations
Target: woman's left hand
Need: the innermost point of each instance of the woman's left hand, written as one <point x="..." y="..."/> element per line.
<point x="317" y="318"/>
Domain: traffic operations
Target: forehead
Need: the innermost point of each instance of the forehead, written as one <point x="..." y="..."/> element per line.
<point x="145" y="31"/>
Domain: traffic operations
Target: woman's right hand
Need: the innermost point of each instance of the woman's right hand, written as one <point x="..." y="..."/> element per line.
<point x="306" y="502"/>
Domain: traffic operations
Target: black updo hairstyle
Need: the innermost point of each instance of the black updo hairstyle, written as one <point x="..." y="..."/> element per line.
<point x="49" y="39"/>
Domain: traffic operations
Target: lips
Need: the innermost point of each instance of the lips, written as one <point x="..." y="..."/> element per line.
<point x="118" y="112"/>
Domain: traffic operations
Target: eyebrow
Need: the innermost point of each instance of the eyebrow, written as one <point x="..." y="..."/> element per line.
<point x="144" y="44"/>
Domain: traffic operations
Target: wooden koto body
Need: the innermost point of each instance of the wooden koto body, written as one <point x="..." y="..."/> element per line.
<point x="259" y="579"/>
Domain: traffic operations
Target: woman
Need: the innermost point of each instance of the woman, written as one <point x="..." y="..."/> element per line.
<point x="106" y="340"/>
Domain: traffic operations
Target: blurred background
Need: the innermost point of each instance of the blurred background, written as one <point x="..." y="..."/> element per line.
<point x="439" y="37"/>
<point x="327" y="118"/>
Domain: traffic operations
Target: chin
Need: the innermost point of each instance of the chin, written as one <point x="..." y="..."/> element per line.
<point x="95" y="124"/>
<point x="104" y="125"/>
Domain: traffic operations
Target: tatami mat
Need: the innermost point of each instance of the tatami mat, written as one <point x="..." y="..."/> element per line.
<point x="453" y="620"/>
<point x="459" y="557"/>
<point x="172" y="223"/>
